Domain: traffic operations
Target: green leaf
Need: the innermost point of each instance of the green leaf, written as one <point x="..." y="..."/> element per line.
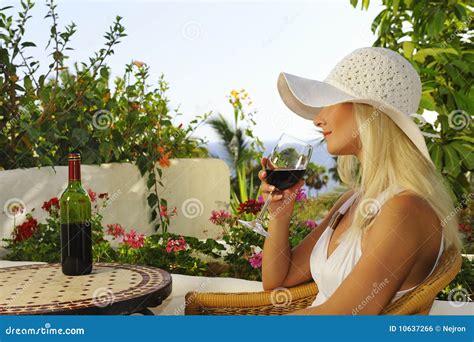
<point x="466" y="153"/>
<point x="152" y="200"/>
<point x="464" y="138"/>
<point x="460" y="12"/>
<point x="427" y="101"/>
<point x="436" y="153"/>
<point x="408" y="48"/>
<point x="79" y="137"/>
<point x="151" y="180"/>
<point x="452" y="161"/>
<point x="437" y="22"/>
<point x="421" y="55"/>
<point x="27" y="44"/>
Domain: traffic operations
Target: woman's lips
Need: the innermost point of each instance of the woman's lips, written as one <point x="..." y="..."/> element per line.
<point x="327" y="133"/>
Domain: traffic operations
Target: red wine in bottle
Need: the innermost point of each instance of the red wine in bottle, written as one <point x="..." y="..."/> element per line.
<point x="283" y="179"/>
<point x="76" y="226"/>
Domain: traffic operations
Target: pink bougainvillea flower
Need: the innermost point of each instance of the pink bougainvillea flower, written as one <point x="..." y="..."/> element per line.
<point x="310" y="224"/>
<point x="133" y="239"/>
<point x="115" y="230"/>
<point x="256" y="260"/>
<point x="164" y="211"/>
<point x="176" y="245"/>
<point x="220" y="217"/>
<point x="300" y="195"/>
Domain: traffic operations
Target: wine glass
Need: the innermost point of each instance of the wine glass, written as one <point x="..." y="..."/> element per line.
<point x="285" y="166"/>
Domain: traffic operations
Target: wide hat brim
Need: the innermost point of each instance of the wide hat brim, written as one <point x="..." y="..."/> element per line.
<point x="306" y="97"/>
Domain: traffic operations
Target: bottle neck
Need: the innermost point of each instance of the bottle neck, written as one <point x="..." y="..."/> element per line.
<point x="74" y="172"/>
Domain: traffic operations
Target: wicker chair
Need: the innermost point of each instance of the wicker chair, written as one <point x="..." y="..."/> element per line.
<point x="415" y="302"/>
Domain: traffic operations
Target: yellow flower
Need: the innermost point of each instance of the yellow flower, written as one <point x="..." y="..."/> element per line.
<point x="234" y="93"/>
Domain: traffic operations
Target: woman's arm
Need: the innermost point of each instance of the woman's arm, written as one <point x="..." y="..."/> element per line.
<point x="393" y="243"/>
<point x="282" y="267"/>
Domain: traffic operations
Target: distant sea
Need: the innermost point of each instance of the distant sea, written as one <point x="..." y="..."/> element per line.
<point x="320" y="156"/>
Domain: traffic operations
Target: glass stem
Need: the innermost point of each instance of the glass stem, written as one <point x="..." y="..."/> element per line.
<point x="264" y="208"/>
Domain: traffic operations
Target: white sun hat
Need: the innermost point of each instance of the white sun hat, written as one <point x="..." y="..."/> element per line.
<point x="376" y="76"/>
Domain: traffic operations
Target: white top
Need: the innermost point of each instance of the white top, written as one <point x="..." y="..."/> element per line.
<point x="329" y="273"/>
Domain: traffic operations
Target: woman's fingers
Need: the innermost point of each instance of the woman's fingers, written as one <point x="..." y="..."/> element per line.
<point x="294" y="188"/>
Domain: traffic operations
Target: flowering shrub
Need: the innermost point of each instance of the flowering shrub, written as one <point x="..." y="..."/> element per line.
<point x="48" y="107"/>
<point x="25" y="230"/>
<point x="35" y="241"/>
<point x="176" y="245"/>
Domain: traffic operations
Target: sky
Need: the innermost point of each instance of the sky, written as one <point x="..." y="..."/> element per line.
<point x="207" y="49"/>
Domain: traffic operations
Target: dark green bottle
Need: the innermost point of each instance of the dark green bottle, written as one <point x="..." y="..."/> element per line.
<point x="76" y="228"/>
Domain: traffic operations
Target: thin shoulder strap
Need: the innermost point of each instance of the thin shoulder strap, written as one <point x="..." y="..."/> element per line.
<point x="337" y="216"/>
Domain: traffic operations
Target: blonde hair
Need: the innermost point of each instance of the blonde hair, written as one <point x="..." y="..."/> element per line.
<point x="385" y="144"/>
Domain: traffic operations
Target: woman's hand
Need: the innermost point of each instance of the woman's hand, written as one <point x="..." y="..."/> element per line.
<point x="282" y="202"/>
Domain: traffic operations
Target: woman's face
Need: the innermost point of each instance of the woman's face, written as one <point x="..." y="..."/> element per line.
<point x="340" y="121"/>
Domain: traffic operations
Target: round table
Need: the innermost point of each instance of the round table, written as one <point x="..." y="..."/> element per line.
<point x="110" y="289"/>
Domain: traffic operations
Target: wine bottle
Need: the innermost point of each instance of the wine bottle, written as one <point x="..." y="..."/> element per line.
<point x="76" y="227"/>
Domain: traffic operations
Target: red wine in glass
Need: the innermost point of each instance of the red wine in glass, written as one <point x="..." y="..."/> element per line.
<point x="284" y="179"/>
<point x="286" y="165"/>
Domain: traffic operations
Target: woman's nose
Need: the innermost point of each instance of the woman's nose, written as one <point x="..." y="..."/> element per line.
<point x="318" y="121"/>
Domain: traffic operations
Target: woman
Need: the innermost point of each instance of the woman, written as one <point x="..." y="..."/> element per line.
<point x="386" y="234"/>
